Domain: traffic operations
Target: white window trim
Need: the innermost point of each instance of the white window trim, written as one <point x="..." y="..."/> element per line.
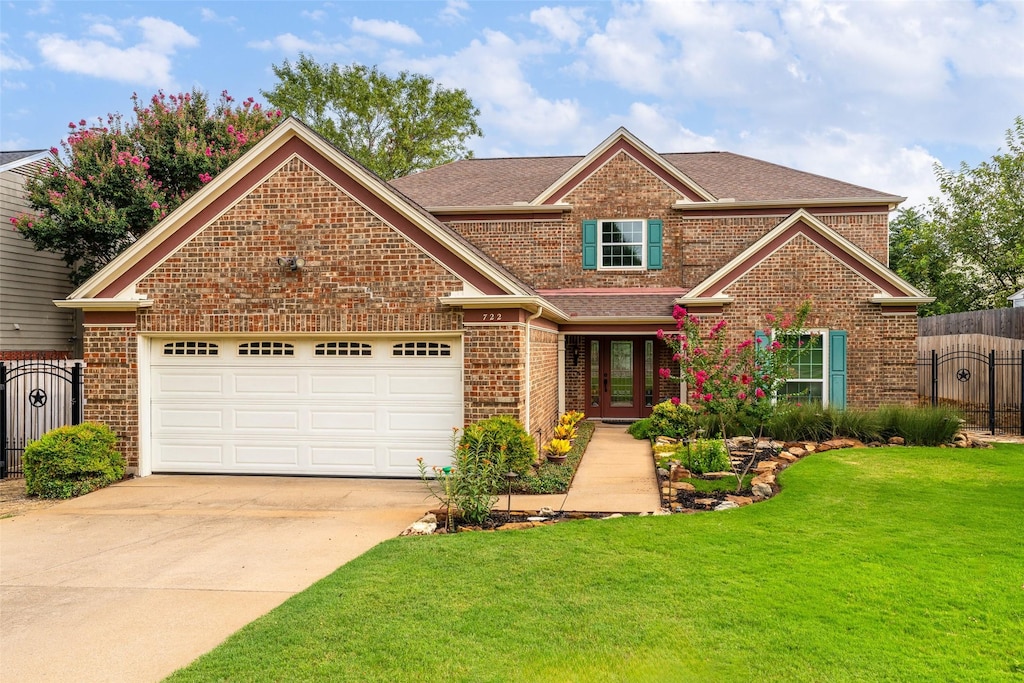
<point x="823" y="333"/>
<point x="600" y="244"/>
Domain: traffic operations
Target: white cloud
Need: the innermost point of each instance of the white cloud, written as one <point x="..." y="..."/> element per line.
<point x="386" y="30"/>
<point x="13" y="85"/>
<point x="14" y="143"/>
<point x="105" y="31"/>
<point x="660" y="131"/>
<point x="511" y="109"/>
<point x="147" y="62"/>
<point x="12" y="62"/>
<point x="291" y="44"/>
<point x="453" y="12"/>
<point x="208" y="15"/>
<point x="877" y="161"/>
<point x="44" y="7"/>
<point x="563" y="23"/>
<point x="317" y="15"/>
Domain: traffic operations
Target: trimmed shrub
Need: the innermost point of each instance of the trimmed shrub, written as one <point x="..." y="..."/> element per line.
<point x="72" y="461"/>
<point x="704" y="455"/>
<point x="641" y="429"/>
<point x="503" y="441"/>
<point x="674" y="420"/>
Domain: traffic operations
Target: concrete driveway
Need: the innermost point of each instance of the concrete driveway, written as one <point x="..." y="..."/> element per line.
<point x="134" y="581"/>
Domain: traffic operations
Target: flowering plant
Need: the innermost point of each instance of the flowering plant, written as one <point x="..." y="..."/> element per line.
<point x="558" y="447"/>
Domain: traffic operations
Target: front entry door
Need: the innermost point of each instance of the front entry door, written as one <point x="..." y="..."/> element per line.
<point x="622" y="377"/>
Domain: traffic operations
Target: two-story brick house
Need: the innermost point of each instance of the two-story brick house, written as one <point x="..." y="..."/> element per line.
<point x="299" y="315"/>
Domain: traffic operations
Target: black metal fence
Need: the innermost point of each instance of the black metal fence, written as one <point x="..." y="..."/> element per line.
<point x="38" y="394"/>
<point x="986" y="386"/>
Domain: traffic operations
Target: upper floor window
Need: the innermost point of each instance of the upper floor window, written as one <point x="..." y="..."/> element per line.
<point x="622" y="244"/>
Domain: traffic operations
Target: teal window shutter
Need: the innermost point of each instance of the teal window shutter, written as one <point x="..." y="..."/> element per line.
<point x="654" y="249"/>
<point x="837" y="368"/>
<point x="589" y="245"/>
<point x="761" y="339"/>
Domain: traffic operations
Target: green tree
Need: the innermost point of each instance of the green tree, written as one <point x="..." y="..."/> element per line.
<point x="115" y="179"/>
<point x="393" y="126"/>
<point x="966" y="247"/>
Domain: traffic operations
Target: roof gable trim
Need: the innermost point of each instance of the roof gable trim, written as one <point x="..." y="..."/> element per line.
<point x="623" y="141"/>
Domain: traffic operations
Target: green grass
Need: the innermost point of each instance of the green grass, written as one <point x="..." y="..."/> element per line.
<point x="871" y="565"/>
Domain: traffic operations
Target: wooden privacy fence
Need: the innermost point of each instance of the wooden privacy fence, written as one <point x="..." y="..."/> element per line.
<point x="979" y="375"/>
<point x="38" y="394"/>
<point x="997" y="322"/>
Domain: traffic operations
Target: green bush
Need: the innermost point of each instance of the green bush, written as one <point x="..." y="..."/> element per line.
<point x="704" y="455"/>
<point x="670" y="419"/>
<point x="920" y="425"/>
<point x="504" y="442"/>
<point x="72" y="461"/>
<point x="468" y="487"/>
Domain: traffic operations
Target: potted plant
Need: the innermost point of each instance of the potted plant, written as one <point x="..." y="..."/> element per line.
<point x="558" y="450"/>
<point x="564" y="430"/>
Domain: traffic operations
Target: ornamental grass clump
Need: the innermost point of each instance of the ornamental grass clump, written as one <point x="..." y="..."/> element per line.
<point x="72" y="461"/>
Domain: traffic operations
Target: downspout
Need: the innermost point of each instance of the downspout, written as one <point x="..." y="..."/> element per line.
<point x="529" y="379"/>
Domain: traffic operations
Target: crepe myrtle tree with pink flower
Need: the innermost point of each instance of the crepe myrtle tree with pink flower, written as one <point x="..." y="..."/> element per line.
<point x="735" y="382"/>
<point x="112" y="179"/>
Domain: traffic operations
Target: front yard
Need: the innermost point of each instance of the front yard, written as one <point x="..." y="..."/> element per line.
<point x="871" y="564"/>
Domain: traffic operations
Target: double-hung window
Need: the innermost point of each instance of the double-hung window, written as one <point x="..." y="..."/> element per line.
<point x="808" y="368"/>
<point x="622" y="244"/>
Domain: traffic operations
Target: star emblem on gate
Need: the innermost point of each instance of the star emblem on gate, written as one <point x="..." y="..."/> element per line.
<point x="37" y="397"/>
<point x="963" y="374"/>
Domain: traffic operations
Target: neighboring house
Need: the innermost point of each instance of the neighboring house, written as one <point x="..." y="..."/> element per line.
<point x="30" y="280"/>
<point x="300" y="316"/>
<point x="1016" y="300"/>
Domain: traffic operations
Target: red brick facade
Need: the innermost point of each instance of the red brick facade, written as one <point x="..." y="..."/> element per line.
<point x="367" y="274"/>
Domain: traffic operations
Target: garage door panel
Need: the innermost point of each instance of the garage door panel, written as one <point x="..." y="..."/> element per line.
<point x="402" y="458"/>
<point x="249" y="383"/>
<point x="429" y="421"/>
<point x="355" y="458"/>
<point x="193" y="420"/>
<point x="361" y="421"/>
<point x="266" y="454"/>
<point x="189" y="384"/>
<point x="328" y="386"/>
<point x="266" y="419"/>
<point x="424" y="384"/>
<point x="190" y="453"/>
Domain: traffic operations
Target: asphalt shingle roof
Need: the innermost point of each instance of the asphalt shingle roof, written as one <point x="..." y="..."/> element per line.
<point x="617" y="303"/>
<point x="501" y="182"/>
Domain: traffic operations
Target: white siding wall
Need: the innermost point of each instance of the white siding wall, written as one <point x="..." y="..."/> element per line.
<point x="29" y="281"/>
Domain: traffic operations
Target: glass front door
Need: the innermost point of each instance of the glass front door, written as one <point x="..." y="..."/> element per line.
<point x="622" y="377"/>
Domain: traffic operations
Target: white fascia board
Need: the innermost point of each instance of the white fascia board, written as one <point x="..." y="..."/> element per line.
<point x="104" y="304"/>
<point x="901" y="300"/>
<point x="25" y="161"/>
<point x="530" y="303"/>
<point x="891" y="202"/>
<point x="704" y="300"/>
<point x="622" y="134"/>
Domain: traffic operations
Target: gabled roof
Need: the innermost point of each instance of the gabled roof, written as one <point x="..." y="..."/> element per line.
<point x="893" y="290"/>
<point x="12" y="160"/>
<point x="1016" y="296"/>
<point x="727" y="179"/>
<point x="116" y="281"/>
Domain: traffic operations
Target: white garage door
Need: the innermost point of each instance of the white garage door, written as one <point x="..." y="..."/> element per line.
<point x="324" y="407"/>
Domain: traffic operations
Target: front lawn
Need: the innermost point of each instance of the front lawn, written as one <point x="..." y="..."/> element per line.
<point x="884" y="564"/>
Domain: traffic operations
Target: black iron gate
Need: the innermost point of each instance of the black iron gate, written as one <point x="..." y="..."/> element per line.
<point x="987" y="387"/>
<point x="38" y="394"/>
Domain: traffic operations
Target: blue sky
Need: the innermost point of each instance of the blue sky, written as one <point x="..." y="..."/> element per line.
<point x="869" y="92"/>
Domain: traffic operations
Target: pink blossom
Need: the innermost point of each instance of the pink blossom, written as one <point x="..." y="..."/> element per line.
<point x="775" y="345"/>
<point x="660" y="334"/>
<point x="209" y="152"/>
<point x="742" y="395"/>
<point x="675" y="400"/>
<point x="665" y="373"/>
<point x="53" y="151"/>
<point x="205" y="177"/>
<point x="759" y="392"/>
<point x="278" y="113"/>
<point x="676" y="357"/>
<point x="769" y="317"/>
<point x="155" y="205"/>
<point x="678" y="312"/>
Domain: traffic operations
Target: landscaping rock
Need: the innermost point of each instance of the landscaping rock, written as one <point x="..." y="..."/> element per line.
<point x="717" y="475"/>
<point x="424" y="526"/>
<point x="684" y="486"/>
<point x="513" y="526"/>
<point x="810" y="447"/>
<point x="766" y="466"/>
<point x="663" y="473"/>
<point x="615" y="516"/>
<point x="788" y="457"/>
<point x="665" y="440"/>
<point x="897" y="441"/>
<point x="842" y="443"/>
<point x="577" y="515"/>
<point x="726" y="505"/>
<point x="761" y="490"/>
<point x="706" y="503"/>
<point x="546" y="512"/>
<point x="681" y="473"/>
<point x="740" y="500"/>
<point x="797" y="451"/>
<point x="765" y="478"/>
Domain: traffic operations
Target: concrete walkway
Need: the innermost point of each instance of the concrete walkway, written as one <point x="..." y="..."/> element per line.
<point x="615" y="475"/>
<point x="134" y="581"/>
